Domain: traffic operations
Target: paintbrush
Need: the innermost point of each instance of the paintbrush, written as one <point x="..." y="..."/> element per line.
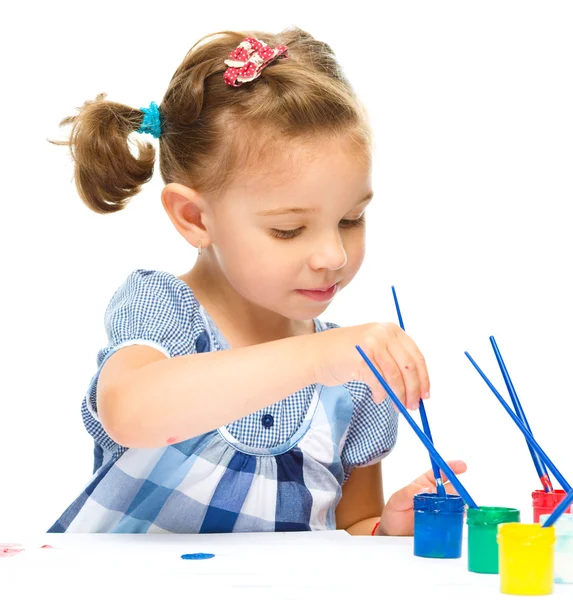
<point x="539" y="466"/>
<point x="559" y="509"/>
<point x="425" y="424"/>
<point x="423" y="437"/>
<point x="523" y="429"/>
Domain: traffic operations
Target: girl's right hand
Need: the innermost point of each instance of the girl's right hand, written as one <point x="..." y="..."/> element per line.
<point x="389" y="348"/>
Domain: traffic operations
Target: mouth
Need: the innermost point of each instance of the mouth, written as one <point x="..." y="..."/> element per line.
<point x="320" y="294"/>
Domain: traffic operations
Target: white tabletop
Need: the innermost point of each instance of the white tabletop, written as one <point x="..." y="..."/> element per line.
<point x="254" y="565"/>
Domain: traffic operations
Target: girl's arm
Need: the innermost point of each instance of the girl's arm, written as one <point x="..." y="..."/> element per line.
<point x="362" y="501"/>
<point x="147" y="400"/>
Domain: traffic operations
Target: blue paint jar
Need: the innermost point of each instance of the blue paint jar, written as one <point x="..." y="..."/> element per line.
<point x="438" y="525"/>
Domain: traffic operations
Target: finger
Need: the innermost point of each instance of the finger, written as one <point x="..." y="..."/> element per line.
<point x="365" y="375"/>
<point x="403" y="499"/>
<point x="409" y="374"/>
<point x="378" y="392"/>
<point x="391" y="373"/>
<point x="450" y="490"/>
<point x="428" y="479"/>
<point x="419" y="361"/>
<point x="457" y="466"/>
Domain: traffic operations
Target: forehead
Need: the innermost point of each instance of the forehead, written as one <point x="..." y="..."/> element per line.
<point x="304" y="173"/>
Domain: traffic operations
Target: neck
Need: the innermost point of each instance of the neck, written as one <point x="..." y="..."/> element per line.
<point x="239" y="320"/>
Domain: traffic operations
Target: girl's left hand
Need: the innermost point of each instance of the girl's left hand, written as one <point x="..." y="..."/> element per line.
<point x="398" y="516"/>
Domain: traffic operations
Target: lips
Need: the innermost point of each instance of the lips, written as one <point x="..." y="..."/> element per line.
<point x="320" y="294"/>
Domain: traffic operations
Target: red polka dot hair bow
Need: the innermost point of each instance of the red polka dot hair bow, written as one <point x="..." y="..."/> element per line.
<point x="248" y="60"/>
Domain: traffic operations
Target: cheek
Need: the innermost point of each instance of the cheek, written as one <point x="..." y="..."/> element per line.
<point x="273" y="264"/>
<point x="252" y="262"/>
<point x="353" y="266"/>
<point x="355" y="251"/>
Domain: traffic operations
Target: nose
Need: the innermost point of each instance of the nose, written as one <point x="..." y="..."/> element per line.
<point x="329" y="253"/>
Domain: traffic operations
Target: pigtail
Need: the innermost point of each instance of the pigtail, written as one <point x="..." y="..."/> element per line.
<point x="217" y="132"/>
<point x="106" y="173"/>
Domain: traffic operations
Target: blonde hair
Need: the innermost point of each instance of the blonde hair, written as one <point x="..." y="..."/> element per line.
<point x="210" y="130"/>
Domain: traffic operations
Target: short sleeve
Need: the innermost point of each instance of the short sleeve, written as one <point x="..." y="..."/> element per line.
<point x="151" y="308"/>
<point x="372" y="431"/>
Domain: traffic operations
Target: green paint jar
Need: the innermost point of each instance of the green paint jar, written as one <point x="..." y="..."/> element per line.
<point x="482" y="536"/>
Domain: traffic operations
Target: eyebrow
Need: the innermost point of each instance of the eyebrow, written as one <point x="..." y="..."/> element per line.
<point x="273" y="212"/>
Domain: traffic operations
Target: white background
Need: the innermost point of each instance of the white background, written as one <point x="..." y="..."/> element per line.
<point x="472" y="107"/>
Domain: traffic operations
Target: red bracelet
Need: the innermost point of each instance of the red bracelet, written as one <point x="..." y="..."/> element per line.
<point x="375" y="528"/>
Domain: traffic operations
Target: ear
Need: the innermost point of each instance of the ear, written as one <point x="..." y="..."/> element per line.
<point x="187" y="210"/>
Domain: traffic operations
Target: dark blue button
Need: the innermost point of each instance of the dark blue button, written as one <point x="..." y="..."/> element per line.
<point x="203" y="343"/>
<point x="267" y="420"/>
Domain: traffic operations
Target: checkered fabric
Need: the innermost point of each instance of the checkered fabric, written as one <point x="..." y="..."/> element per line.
<point x="279" y="469"/>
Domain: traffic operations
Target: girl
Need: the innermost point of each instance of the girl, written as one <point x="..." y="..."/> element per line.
<point x="221" y="402"/>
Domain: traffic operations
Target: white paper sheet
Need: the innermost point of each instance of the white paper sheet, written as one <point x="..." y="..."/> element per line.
<point x="277" y="565"/>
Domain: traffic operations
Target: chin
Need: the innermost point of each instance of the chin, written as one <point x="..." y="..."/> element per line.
<point x="305" y="314"/>
<point x="296" y="311"/>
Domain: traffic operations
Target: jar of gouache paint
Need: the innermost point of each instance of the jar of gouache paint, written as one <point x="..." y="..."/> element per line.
<point x="544" y="502"/>
<point x="438" y="525"/>
<point x="482" y="536"/>
<point x="563" y="548"/>
<point x="526" y="553"/>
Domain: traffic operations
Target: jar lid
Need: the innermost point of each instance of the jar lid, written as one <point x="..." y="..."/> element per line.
<point x="525" y="532"/>
<point x="492" y="515"/>
<point x="434" y="503"/>
<point x="542" y="499"/>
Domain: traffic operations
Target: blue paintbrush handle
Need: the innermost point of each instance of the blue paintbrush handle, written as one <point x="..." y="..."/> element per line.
<point x="423" y="437"/>
<point x="539" y="466"/>
<point x="522" y="427"/>
<point x="559" y="509"/>
<point x="435" y="469"/>
<point x="425" y="423"/>
<point x="398" y="309"/>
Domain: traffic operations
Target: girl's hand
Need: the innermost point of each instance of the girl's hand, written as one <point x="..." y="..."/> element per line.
<point x="390" y="349"/>
<point x="398" y="516"/>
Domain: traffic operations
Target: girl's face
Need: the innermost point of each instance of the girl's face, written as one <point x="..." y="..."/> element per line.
<point x="290" y="243"/>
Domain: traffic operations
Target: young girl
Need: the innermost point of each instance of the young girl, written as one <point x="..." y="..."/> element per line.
<point x="221" y="402"/>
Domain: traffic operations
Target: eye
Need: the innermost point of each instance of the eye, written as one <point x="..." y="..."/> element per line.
<point x="286" y="234"/>
<point x="348" y="223"/>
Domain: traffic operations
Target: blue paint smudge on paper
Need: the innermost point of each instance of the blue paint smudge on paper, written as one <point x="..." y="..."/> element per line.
<point x="197" y="556"/>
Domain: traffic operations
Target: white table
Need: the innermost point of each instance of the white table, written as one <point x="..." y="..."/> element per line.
<point x="270" y="566"/>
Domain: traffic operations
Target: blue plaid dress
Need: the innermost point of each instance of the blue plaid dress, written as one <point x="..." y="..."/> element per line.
<point x="279" y="469"/>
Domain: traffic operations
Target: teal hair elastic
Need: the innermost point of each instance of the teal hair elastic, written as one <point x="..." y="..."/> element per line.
<point x="151" y="122"/>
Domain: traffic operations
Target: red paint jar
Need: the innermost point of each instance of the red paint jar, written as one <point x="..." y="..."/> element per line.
<point x="544" y="502"/>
